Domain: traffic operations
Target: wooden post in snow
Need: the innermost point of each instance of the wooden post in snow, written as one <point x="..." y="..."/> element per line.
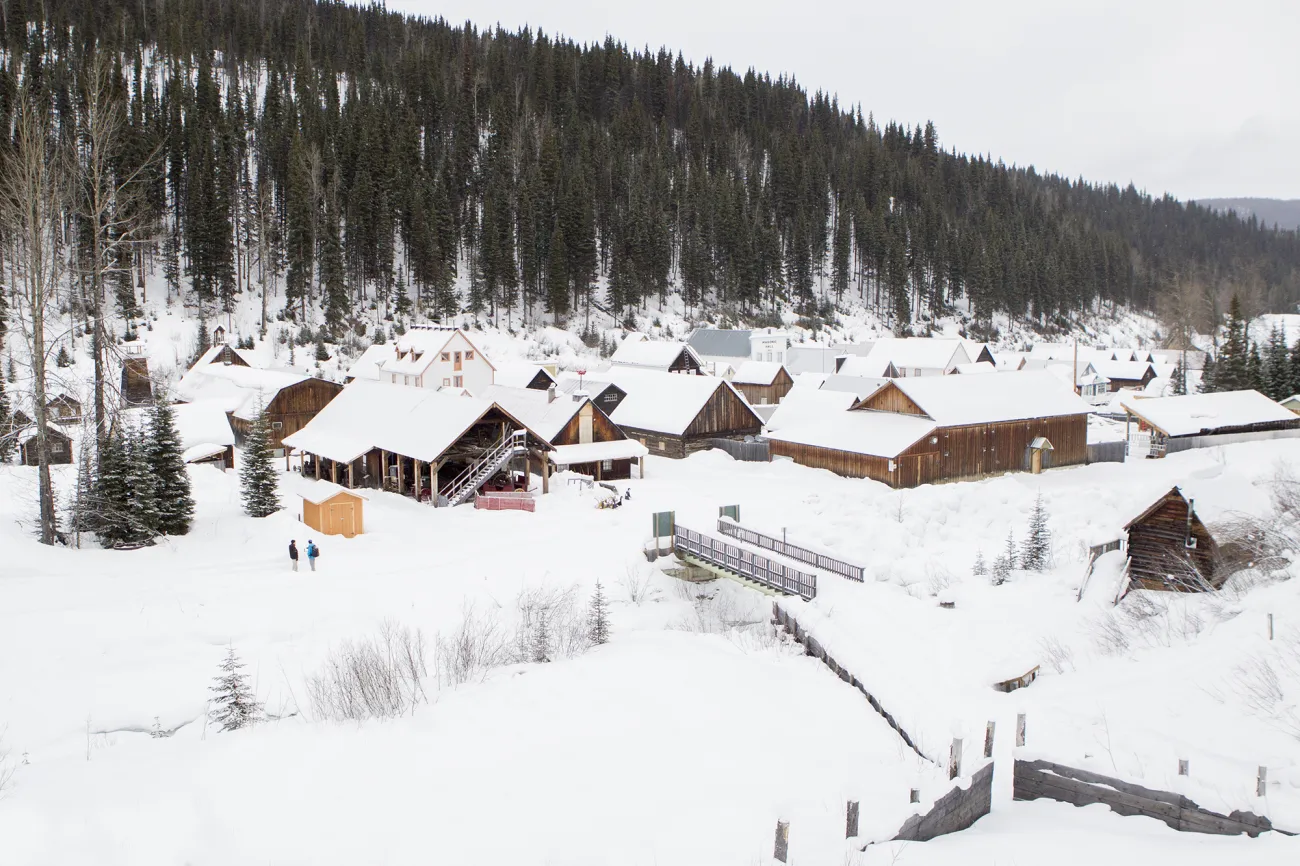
<point x="1020" y="729"/>
<point x="1261" y="781"/>
<point x="781" y="850"/>
<point x="988" y="739"/>
<point x="1184" y="767"/>
<point x="954" y="758"/>
<point x="851" y="820"/>
<point x="1270" y="626"/>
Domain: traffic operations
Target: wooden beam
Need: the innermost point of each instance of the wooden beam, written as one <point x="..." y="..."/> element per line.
<point x="351" y="483"/>
<point x="416" y="480"/>
<point x="546" y="476"/>
<point x="401" y="486"/>
<point x="334" y="471"/>
<point x="317" y="461"/>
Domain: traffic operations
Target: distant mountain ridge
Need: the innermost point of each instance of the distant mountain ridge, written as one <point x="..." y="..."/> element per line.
<point x="1284" y="213"/>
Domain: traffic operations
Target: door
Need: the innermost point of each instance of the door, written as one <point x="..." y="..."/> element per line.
<point x="584" y="425"/>
<point x="342" y="519"/>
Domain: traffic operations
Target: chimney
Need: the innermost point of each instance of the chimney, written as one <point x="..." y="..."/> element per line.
<point x="550" y="393"/>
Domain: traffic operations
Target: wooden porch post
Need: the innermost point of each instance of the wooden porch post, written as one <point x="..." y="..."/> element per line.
<point x="415" y="481"/>
<point x="351" y="483"/>
<point x="334" y="471"/>
<point x="528" y="469"/>
<point x="546" y="474"/>
<point x="401" y="486"/>
<point x="598" y="478"/>
<point x="383" y="468"/>
<point x="317" y="462"/>
<point x="640" y="466"/>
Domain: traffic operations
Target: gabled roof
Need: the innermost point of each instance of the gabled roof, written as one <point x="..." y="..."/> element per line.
<point x="975" y="368"/>
<point x="367" y="366"/>
<point x="420" y="346"/>
<point x="241" y="391"/>
<point x="665" y="402"/>
<point x="543" y="416"/>
<point x="956" y="401"/>
<point x="871" y="366"/>
<point x="918" y="352"/>
<point x="321" y="490"/>
<point x="802" y="405"/>
<point x="757" y="373"/>
<point x="1128" y="371"/>
<point x="859" y="386"/>
<point x="415" y="422"/>
<point x="1191" y="414"/>
<point x="651" y="354"/>
<point x="876" y="434"/>
<point x="211" y="355"/>
<point x="720" y="342"/>
<point x="520" y="374"/>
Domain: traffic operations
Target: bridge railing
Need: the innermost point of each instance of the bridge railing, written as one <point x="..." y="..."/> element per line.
<point x="755" y="567"/>
<point x="727" y="526"/>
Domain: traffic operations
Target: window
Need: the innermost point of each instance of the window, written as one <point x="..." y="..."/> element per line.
<point x="419" y="381"/>
<point x="277" y="425"/>
<point x="394" y="378"/>
<point x="469" y="356"/>
<point x="446" y="383"/>
<point x="406" y="380"/>
<point x="916" y="372"/>
<point x="769" y="355"/>
<point x="778" y="357"/>
<point x="663" y="446"/>
<point x="458" y="381"/>
<point x="606" y="465"/>
<point x="458" y="357"/>
<point x="762" y="401"/>
<point x="446" y="356"/>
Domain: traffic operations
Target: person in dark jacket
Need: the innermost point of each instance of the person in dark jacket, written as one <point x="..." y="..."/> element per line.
<point x="293" y="553"/>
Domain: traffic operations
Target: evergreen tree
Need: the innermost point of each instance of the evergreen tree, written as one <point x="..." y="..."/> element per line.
<point x="1005" y="562"/>
<point x="1254" y="370"/>
<point x="541" y="648"/>
<point x="1294" y="386"/>
<point x="233" y="705"/>
<point x="1180" y="376"/>
<point x="1276" y="366"/>
<point x="257" y="476"/>
<point x="203" y="338"/>
<point x="980" y="568"/>
<point x="63" y="359"/>
<point x="1232" y="365"/>
<point x="322" y="353"/>
<point x="598" y="617"/>
<point x="124" y="504"/>
<point x="1036" y="549"/>
<point x="166" y="461"/>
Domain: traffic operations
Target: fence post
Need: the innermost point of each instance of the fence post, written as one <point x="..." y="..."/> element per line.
<point x="988" y="739"/>
<point x="1184" y="767"/>
<point x="851" y="820"/>
<point x="1270" y="626"/>
<point x="914" y="795"/>
<point x="954" y="759"/>
<point x="781" y="849"/>
<point x="1261" y="782"/>
<point x="1020" y="729"/>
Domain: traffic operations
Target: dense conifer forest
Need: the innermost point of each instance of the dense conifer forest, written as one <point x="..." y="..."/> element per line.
<point x="352" y="158"/>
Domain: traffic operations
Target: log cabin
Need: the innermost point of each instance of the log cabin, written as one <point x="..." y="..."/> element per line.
<point x="1153" y="423"/>
<point x="1122" y="375"/>
<point x="605" y="394"/>
<point x="764" y="383"/>
<point x="59" y="443"/>
<point x="63" y="409"/>
<point x="585" y="439"/>
<point x="945" y="428"/>
<point x="675" y="416"/>
<point x="413" y="441"/>
<point x="660" y="355"/>
<point x="1169" y="548"/>
<point x="289" y="399"/>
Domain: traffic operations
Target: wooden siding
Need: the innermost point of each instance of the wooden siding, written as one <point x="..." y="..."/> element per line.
<point x="137" y="387"/>
<point x="602" y="429"/>
<point x="608" y="398"/>
<point x="292" y="408"/>
<point x="341" y="514"/>
<point x="767" y="395"/>
<point x="1158" y="556"/>
<point x="959" y="452"/>
<point x="228" y="355"/>
<point x="890" y="399"/>
<point x="684" y="362"/>
<point x="60" y="449"/>
<point x="726" y="415"/>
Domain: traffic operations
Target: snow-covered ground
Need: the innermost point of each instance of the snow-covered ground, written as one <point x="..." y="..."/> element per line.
<point x="685" y="738"/>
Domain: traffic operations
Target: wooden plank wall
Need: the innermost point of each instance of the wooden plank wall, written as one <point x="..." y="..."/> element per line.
<point x="955" y="811"/>
<point x="602" y="429"/>
<point x="985" y="449"/>
<point x="296" y="405"/>
<point x="1157" y="549"/>
<point x="890" y="399"/>
<point x="725" y="415"/>
<point x="1033" y="780"/>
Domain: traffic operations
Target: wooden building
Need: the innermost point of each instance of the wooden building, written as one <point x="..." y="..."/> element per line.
<point x="1122" y="375"/>
<point x="523" y="375"/>
<point x="674" y="415"/>
<point x="605" y="394"/>
<point x="1152" y="423"/>
<point x="222" y="353"/>
<point x="289" y="399"/>
<point x="418" y="441"/>
<point x="333" y="510"/>
<point x="585" y="440"/>
<point x="137" y="386"/>
<point x="60" y="445"/>
<point x="764" y="383"/>
<point x="63" y="410"/>
<point x="945" y="428"/>
<point x="1169" y="548"/>
<point x="663" y="356"/>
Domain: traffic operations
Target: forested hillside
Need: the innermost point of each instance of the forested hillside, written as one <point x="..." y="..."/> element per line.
<point x="356" y="157"/>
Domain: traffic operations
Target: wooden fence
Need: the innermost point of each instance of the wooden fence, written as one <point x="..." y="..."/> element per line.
<point x="747" y="564"/>
<point x="1043" y="779"/>
<point x="748" y="452"/>
<point x="729" y="527"/>
<point x="957" y="810"/>
<point x="1107" y="452"/>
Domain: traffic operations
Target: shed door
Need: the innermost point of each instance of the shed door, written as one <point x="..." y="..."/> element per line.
<point x="584" y="425"/>
<point x="343" y="519"/>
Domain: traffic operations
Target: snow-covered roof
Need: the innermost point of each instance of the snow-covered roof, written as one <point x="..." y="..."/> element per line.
<point x="803" y="404"/>
<point x="321" y="490"/>
<point x="534" y="409"/>
<point x="591" y="452"/>
<point x="878" y="434"/>
<point x="720" y="342"/>
<point x="975" y="368"/>
<point x="757" y="373"/>
<point x="820" y="358"/>
<point x="1204" y="413"/>
<point x="860" y="386"/>
<point x="870" y="367"/>
<point x="242" y="391"/>
<point x="367" y="366"/>
<point x="214" y="352"/>
<point x="415" y="422"/>
<point x="917" y="353"/>
<point x="519" y="374"/>
<point x="201" y="452"/>
<point x="203" y="422"/>
<point x="663" y="402"/>
<point x="955" y="401"/>
<point x="419" y="347"/>
<point x="1129" y="371"/>
<point x="651" y="354"/>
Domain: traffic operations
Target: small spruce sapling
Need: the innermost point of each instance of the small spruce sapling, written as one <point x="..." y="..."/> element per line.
<point x="63" y="359"/>
<point x="542" y="639"/>
<point x="1005" y="562"/>
<point x="598" y="617"/>
<point x="1036" y="551"/>
<point x="980" y="568"/>
<point x="233" y="703"/>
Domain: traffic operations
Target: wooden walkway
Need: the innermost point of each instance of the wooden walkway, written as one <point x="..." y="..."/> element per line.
<point x="737" y="560"/>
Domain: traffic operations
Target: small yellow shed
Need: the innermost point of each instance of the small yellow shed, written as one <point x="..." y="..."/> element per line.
<point x="332" y="509"/>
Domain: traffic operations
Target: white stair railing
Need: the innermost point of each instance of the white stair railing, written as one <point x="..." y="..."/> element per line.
<point x="476" y="475"/>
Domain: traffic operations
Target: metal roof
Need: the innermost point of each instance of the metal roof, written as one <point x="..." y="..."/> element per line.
<point x="720" y="342"/>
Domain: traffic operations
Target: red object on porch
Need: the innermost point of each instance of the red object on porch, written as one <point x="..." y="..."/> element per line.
<point x="519" y="500"/>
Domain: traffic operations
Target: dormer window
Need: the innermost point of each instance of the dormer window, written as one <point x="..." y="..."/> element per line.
<point x="446" y="356"/>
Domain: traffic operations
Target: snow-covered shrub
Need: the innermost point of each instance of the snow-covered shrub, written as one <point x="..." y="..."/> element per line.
<point x="1269" y="684"/>
<point x="598" y="617"/>
<point x="1005" y="562"/>
<point x="233" y="704"/>
<point x="377" y="677"/>
<point x="550" y="625"/>
<point x="476" y="646"/>
<point x="636" y="583"/>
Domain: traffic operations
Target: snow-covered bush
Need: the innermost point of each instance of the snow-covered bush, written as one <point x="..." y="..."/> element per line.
<point x="233" y="704"/>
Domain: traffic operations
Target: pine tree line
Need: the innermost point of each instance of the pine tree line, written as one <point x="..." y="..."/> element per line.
<point x="354" y="159"/>
<point x="139" y="487"/>
<point x="1241" y="363"/>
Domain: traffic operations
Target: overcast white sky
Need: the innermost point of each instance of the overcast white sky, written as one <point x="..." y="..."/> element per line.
<point x="1193" y="97"/>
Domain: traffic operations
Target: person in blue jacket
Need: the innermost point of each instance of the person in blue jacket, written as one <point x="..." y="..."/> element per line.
<point x="312" y="552"/>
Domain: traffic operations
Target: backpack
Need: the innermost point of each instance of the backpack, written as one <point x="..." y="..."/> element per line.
<point x="314" y="553"/>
